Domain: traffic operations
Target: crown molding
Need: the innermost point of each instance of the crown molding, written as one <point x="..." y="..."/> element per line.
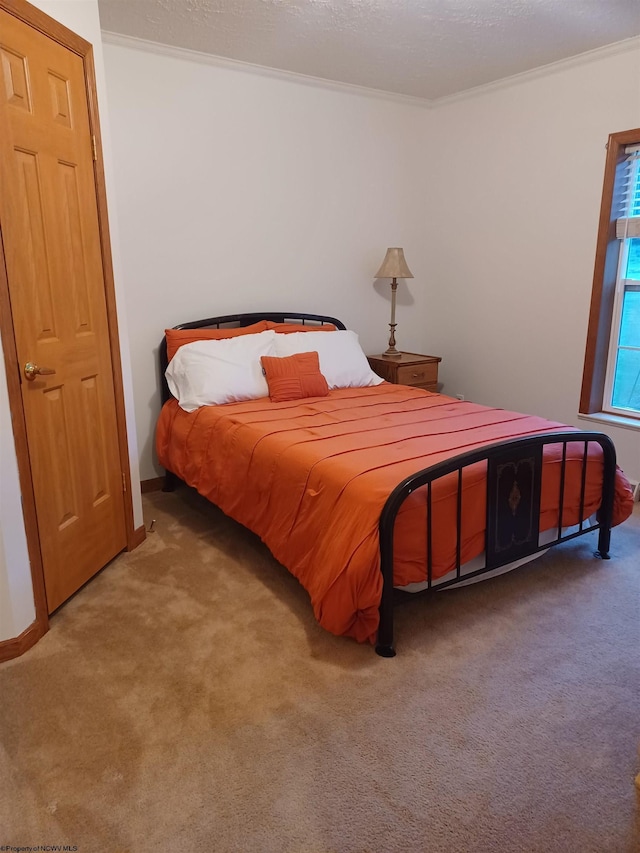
<point x="188" y="55"/>
<point x="625" y="46"/>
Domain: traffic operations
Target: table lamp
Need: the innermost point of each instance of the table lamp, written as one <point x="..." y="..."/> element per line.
<point x="394" y="267"/>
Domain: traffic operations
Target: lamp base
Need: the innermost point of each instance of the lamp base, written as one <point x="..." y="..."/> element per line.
<point x="391" y="351"/>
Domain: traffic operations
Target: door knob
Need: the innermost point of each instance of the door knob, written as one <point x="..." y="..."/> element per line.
<point x="32" y="370"/>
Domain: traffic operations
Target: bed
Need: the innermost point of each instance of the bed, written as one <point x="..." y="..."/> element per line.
<point x="366" y="490"/>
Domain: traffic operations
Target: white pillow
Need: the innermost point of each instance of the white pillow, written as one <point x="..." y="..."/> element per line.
<point x="342" y="361"/>
<point x="207" y="373"/>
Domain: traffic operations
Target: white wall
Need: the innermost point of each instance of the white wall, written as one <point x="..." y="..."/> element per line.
<point x="516" y="183"/>
<point x="17" y="610"/>
<point x="239" y="191"/>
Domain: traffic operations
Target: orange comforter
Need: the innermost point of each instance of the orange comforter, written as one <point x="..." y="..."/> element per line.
<point x="310" y="477"/>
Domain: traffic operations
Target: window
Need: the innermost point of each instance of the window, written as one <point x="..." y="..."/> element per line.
<point x="611" y="380"/>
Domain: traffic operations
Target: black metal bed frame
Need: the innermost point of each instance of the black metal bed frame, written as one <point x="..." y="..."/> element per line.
<point x="513" y="489"/>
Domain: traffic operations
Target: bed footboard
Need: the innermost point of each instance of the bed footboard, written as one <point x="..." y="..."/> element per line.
<point x="513" y="489"/>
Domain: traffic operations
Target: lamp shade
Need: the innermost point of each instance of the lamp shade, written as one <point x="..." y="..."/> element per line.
<point x="394" y="265"/>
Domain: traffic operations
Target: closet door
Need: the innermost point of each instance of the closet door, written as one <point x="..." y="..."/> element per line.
<point x="55" y="278"/>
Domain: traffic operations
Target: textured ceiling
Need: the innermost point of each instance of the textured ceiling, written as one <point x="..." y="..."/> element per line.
<point x="422" y="48"/>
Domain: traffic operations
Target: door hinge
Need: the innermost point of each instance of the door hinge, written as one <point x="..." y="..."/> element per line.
<point x="124" y="484"/>
<point x="94" y="148"/>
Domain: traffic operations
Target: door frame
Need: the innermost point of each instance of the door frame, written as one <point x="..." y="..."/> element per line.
<point x="39" y="20"/>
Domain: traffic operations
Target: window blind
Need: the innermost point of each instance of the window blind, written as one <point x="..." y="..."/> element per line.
<point x="628" y="214"/>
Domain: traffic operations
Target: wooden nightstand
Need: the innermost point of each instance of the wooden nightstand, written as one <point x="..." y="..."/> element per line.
<point x="410" y="368"/>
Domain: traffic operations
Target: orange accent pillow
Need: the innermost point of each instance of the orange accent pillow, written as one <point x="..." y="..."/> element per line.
<point x="287" y="328"/>
<point x="294" y="377"/>
<point x="177" y="338"/>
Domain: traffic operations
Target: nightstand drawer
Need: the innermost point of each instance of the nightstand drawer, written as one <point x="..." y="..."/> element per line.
<point x="408" y="368"/>
<point x="417" y="374"/>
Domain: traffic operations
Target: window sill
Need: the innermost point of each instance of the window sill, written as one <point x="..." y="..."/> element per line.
<point x="614" y="420"/>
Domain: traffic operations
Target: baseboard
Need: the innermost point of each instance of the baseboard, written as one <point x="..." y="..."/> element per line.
<point x="153" y="485"/>
<point x="17" y="646"/>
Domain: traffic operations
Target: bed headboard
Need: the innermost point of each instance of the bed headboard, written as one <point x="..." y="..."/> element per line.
<point x="230" y="321"/>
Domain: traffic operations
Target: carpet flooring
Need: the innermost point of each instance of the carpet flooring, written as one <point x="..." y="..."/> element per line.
<point x="186" y="699"/>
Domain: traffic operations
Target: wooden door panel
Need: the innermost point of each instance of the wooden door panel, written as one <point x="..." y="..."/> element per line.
<point x="72" y="250"/>
<point x="15" y="77"/>
<point x="53" y="258"/>
<point x="54" y="441"/>
<point x="97" y="475"/>
<point x="60" y="107"/>
<point x="36" y="279"/>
